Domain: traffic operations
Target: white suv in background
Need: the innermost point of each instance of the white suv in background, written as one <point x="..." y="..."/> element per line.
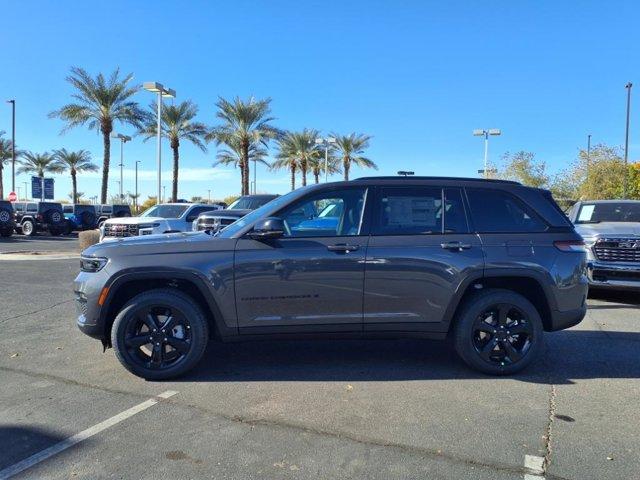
<point x="163" y="218"/>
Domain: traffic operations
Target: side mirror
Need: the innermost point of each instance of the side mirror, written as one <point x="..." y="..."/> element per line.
<point x="267" y="228"/>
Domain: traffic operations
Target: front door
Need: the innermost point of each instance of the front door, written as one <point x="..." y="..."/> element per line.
<point x="419" y="252"/>
<point x="311" y="279"/>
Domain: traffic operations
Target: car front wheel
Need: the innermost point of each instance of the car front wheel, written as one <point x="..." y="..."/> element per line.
<point x="498" y="332"/>
<point x="160" y="334"/>
<point x="28" y="228"/>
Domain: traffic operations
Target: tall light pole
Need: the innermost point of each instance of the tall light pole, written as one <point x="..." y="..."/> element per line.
<point x="209" y="196"/>
<point x="162" y="91"/>
<point x="626" y="141"/>
<point x="26" y="192"/>
<point x="136" y="199"/>
<point x="588" y="154"/>
<point x="325" y="142"/>
<point x="485" y="133"/>
<point x="123" y="139"/>
<point x="13" y="144"/>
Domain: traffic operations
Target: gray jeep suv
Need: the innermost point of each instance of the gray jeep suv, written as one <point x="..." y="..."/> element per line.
<point x="490" y="264"/>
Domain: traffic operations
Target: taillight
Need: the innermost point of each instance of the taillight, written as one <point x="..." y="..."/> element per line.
<point x="570" y="245"/>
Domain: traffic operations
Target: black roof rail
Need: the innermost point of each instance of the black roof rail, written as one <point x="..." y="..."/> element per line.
<point x="410" y="178"/>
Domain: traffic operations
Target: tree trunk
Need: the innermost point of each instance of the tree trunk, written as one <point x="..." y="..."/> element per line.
<point x="303" y="170"/>
<point x="106" y="132"/>
<point x="175" y="146"/>
<point x="316" y="176"/>
<point x="74" y="186"/>
<point x="346" y="165"/>
<point x="245" y="167"/>
<point x="1" y="185"/>
<point x="293" y="176"/>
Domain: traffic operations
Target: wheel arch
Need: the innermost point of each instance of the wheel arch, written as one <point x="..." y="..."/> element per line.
<point x="129" y="284"/>
<point x="530" y="284"/>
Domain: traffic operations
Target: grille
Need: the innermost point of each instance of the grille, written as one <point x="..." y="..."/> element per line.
<point x="618" y="249"/>
<point x="120" y="230"/>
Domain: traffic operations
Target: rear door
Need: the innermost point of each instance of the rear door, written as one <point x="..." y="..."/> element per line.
<point x="420" y="252"/>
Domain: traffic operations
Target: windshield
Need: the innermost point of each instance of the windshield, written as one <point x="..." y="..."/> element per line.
<point x="609" y="212"/>
<point x="165" y="211"/>
<point x="249" y="203"/>
<point x="238" y="225"/>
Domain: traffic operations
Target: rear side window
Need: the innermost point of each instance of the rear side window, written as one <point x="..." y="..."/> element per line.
<point x="409" y="211"/>
<point x="494" y="211"/>
<point x="67" y="209"/>
<point x="32" y="207"/>
<point x="106" y="209"/>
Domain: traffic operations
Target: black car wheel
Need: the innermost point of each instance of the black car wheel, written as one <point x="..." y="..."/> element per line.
<point x="160" y="334"/>
<point x="28" y="228"/>
<point x="498" y="332"/>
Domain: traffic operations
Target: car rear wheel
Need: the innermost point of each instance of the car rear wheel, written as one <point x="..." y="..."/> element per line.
<point x="160" y="334"/>
<point x="498" y="332"/>
<point x="28" y="228"/>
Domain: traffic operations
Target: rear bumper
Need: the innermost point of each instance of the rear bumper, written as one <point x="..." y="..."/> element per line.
<point x="567" y="319"/>
<point x="613" y="276"/>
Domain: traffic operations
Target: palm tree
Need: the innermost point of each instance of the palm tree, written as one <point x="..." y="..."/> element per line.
<point x="289" y="157"/>
<point x="177" y="124"/>
<point x="244" y="123"/>
<point x="350" y="149"/>
<point x="39" y="164"/>
<point x="232" y="155"/>
<point x="99" y="102"/>
<point x="5" y="155"/>
<point x="75" y="162"/>
<point x="317" y="165"/>
<point x="303" y="146"/>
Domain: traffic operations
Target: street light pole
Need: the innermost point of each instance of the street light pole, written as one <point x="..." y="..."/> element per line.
<point x="326" y="142"/>
<point x="485" y="133"/>
<point x="588" y="154"/>
<point x="26" y="192"/>
<point x="13" y="144"/>
<point x="162" y="92"/>
<point x="209" y="196"/>
<point x="626" y="141"/>
<point x="123" y="139"/>
<point x="163" y="192"/>
<point x="136" y="199"/>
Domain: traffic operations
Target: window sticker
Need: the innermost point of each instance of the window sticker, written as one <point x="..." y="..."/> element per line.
<point x="408" y="211"/>
<point x="586" y="212"/>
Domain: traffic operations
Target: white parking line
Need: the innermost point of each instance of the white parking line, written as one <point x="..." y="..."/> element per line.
<point x="535" y="465"/>
<point x="78" y="437"/>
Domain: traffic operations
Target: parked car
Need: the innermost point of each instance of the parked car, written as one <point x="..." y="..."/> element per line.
<point x="218" y="219"/>
<point x="159" y="219"/>
<point x="491" y="264"/>
<point x="33" y="217"/>
<point x="7" y="218"/>
<point x="79" y="217"/>
<point x="611" y="231"/>
<point x="105" y="212"/>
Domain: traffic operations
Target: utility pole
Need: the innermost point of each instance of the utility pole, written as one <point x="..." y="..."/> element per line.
<point x="626" y="141"/>
<point x="13" y="144"/>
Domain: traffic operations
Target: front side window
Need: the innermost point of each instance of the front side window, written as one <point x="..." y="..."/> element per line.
<point x="32" y="207"/>
<point x="494" y="211"/>
<point x="327" y="214"/>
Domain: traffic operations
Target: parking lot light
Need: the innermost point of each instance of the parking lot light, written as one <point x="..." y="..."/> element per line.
<point x="326" y="142"/>
<point x="161" y="91"/>
<point x="123" y="139"/>
<point x="486" y="133"/>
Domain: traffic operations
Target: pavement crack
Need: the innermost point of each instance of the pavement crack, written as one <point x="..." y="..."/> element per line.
<point x="40" y="310"/>
<point x="548" y="434"/>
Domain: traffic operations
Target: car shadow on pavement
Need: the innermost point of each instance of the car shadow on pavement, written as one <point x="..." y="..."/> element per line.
<point x="569" y="355"/>
<point x="18" y="442"/>
<point x="625" y="298"/>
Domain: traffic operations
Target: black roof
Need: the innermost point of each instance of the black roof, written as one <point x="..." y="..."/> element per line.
<point x="447" y="179"/>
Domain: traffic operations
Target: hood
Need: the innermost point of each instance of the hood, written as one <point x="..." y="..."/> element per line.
<point x="234" y="212"/>
<point x="621" y="229"/>
<point x="134" y="220"/>
<point x="165" y="243"/>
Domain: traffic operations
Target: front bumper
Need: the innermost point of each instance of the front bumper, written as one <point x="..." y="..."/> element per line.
<point x="87" y="288"/>
<point x="616" y="276"/>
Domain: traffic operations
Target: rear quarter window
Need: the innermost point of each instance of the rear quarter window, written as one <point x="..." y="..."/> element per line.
<point x="496" y="211"/>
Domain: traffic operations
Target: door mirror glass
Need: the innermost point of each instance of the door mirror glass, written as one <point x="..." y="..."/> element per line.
<point x="270" y="227"/>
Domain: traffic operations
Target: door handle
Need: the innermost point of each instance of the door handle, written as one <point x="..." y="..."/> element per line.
<point x="342" y="247"/>
<point x="455" y="246"/>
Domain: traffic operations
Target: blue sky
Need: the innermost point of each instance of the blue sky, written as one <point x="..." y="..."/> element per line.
<point x="419" y="76"/>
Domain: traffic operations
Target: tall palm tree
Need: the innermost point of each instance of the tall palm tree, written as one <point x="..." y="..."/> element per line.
<point x="38" y="163"/>
<point x="100" y="102"/>
<point x="350" y="148"/>
<point x="75" y="162"/>
<point x="177" y="124"/>
<point x="5" y="156"/>
<point x="244" y="123"/>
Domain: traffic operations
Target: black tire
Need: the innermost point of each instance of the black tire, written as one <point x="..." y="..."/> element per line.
<point x="28" y="228"/>
<point x="132" y="326"/>
<point x="87" y="219"/>
<point x="498" y="332"/>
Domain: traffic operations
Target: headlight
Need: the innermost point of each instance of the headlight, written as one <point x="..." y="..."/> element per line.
<point x="92" y="264"/>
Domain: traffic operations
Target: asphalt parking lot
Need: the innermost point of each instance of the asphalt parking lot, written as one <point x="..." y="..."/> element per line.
<point x="323" y="409"/>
